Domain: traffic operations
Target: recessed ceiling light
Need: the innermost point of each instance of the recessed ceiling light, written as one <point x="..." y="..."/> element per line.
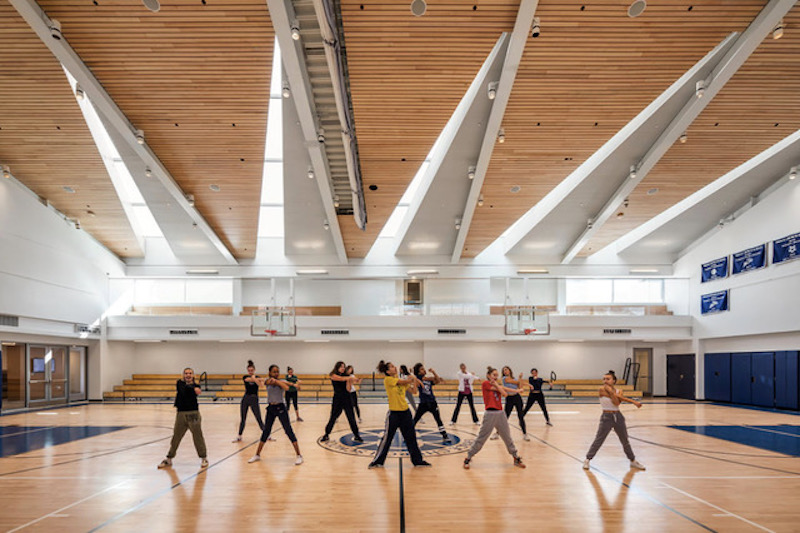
<point x="652" y="191"/>
<point x="69" y="189"/>
<point x="214" y="187"/>
<point x="637" y="8"/>
<point x="515" y="189"/>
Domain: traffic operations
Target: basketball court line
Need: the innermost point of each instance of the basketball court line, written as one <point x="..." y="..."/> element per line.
<point x="718" y="508"/>
<point x="58" y="511"/>
<point x="26" y="431"/>
<point x="795" y="435"/>
<point x="402" y="499"/>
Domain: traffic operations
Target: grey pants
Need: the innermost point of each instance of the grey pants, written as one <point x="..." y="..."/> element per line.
<point x="188" y="420"/>
<point x="493" y="420"/>
<point x="410" y="400"/>
<point x="609" y="421"/>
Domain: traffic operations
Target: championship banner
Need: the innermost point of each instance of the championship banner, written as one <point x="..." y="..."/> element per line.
<point x="786" y="249"/>
<point x="714" y="302"/>
<point x="750" y="259"/>
<point x="716" y="269"/>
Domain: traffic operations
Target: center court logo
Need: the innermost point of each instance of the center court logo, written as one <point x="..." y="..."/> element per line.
<point x="430" y="443"/>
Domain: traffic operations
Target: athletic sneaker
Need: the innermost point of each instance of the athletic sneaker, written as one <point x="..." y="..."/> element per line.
<point x="299" y="419"/>
<point x="518" y="462"/>
<point x="526" y="437"/>
<point x="375" y="465"/>
<point x="477" y="423"/>
<point x="447" y="440"/>
<point x="298" y="460"/>
<point x="204" y="463"/>
<point x="423" y="464"/>
<point x="270" y="439"/>
<point x="466" y="464"/>
<point x="357" y="438"/>
<point x="166" y="463"/>
<point x="586" y="464"/>
<point x="549" y="424"/>
<point x="495" y="436"/>
<point x="451" y="423"/>
<point x="254" y="459"/>
<point x="637" y="464"/>
<point x="237" y="439"/>
<point x="324" y="438"/>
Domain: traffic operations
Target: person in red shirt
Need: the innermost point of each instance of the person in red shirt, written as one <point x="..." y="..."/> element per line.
<point x="494" y="419"/>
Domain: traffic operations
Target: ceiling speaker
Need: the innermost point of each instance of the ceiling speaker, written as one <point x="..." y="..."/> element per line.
<point x="418" y="7"/>
<point x="637" y="8"/>
<point x="152" y="5"/>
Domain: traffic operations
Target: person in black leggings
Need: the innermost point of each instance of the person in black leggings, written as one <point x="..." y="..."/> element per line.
<point x="341" y="402"/>
<point x="353" y="391"/>
<point x="513" y="400"/>
<point x="249" y="400"/>
<point x="427" y="400"/>
<point x="536" y="395"/>
<point x="276" y="408"/>
<point x="291" y="393"/>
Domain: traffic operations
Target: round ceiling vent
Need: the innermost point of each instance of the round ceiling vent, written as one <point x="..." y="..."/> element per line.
<point x="637" y="8"/>
<point x="418" y="7"/>
<point x="152" y="5"/>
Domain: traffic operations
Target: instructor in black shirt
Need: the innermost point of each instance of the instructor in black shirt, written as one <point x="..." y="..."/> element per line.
<point x="187" y="417"/>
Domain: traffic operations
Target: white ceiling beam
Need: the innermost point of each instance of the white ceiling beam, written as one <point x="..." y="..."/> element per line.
<point x="516" y="47"/>
<point x="745" y="45"/>
<point x="283" y="16"/>
<point x="38" y="20"/>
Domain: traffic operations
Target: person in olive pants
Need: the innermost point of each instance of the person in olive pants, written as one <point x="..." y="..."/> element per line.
<point x="187" y="418"/>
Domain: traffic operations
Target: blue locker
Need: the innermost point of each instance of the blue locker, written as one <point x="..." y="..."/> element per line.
<point x="762" y="385"/>
<point x="741" y="377"/>
<point x="787" y="395"/>
<point x="717" y="377"/>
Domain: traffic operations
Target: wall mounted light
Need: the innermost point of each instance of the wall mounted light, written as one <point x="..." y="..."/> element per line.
<point x="190" y="199"/>
<point x="336" y="201"/>
<point x="492" y="90"/>
<point x="295" y="29"/>
<point x="458" y="223"/>
<point x="683" y="138"/>
<point x="777" y="33"/>
<point x="6" y="172"/>
<point x="632" y="173"/>
<point x="310" y="173"/>
<point x="79" y="94"/>
<point x="55" y="29"/>
<point x="700" y="88"/>
<point x="471" y="173"/>
<point x="501" y="136"/>
<point x="147" y="172"/>
<point x="792" y="173"/>
<point x="536" y="29"/>
<point x="326" y="225"/>
<point x="480" y="201"/>
<point x="139" y="136"/>
<point x="285" y="91"/>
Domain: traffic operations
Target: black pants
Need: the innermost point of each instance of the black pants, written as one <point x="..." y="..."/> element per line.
<point x="251" y="401"/>
<point x="433" y="408"/>
<point x="539" y="398"/>
<point x="514" y="401"/>
<point x="342" y="402"/>
<point x="403" y="421"/>
<point x="468" y="396"/>
<point x="354" y="398"/>
<point x="279" y="411"/>
<point x="291" y="398"/>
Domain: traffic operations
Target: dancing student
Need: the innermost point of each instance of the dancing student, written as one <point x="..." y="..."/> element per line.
<point x="610" y="399"/>
<point x="465" y="381"/>
<point x="536" y="395"/>
<point x="187" y="417"/>
<point x="276" y="409"/>
<point x="427" y="400"/>
<point x="353" y="390"/>
<point x="249" y="400"/>
<point x="494" y="419"/>
<point x="404" y="374"/>
<point x="291" y="395"/>
<point x="514" y="400"/>
<point x="341" y="402"/>
<point x="399" y="416"/>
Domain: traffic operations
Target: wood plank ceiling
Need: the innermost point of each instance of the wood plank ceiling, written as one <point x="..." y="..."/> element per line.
<point x="45" y="141"/>
<point x="758" y="107"/>
<point x="195" y="77"/>
<point x="407" y="75"/>
<point x="590" y="72"/>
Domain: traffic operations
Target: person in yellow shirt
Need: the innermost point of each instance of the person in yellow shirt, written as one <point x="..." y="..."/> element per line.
<point x="398" y="416"/>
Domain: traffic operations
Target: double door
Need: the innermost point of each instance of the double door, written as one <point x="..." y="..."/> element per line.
<point x="47" y="375"/>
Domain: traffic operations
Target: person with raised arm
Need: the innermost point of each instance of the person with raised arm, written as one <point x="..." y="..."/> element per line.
<point x="404" y="373"/>
<point x="513" y="400"/>
<point x="291" y="395"/>
<point x="276" y="409"/>
<point x="341" y="401"/>
<point x="249" y="400"/>
<point x="494" y="419"/>
<point x="354" y="390"/>
<point x="398" y="417"/>
<point x="466" y="380"/>
<point x="536" y="394"/>
<point x="187" y="418"/>
<point x="427" y="400"/>
<point x="610" y="400"/>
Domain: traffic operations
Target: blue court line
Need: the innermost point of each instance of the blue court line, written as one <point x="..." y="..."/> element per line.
<point x="38" y="438"/>
<point x="754" y="408"/>
<point x="763" y="437"/>
<point x="23" y="410"/>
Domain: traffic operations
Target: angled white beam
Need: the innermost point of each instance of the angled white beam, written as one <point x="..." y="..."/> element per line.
<point x="516" y="46"/>
<point x="788" y="147"/>
<point x="38" y="20"/>
<point x="445" y="140"/>
<point x="282" y="14"/>
<point x="745" y="45"/>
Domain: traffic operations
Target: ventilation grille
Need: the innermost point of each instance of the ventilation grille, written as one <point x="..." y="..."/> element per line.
<point x="451" y="331"/>
<point x="334" y="332"/>
<point x="184" y="332"/>
<point x="8" y="320"/>
<point x="624" y="331"/>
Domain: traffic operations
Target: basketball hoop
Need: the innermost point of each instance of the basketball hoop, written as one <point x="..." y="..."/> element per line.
<point x="530" y="331"/>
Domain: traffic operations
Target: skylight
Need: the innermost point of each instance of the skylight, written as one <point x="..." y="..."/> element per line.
<point x="270" y="218"/>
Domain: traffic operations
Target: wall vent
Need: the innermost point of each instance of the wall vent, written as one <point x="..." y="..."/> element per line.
<point x="9" y="320"/>
<point x="334" y="332"/>
<point x="451" y="331"/>
<point x="623" y="331"/>
<point x="184" y="332"/>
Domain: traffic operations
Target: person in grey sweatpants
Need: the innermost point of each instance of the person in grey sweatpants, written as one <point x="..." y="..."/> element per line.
<point x="494" y="418"/>
<point x="610" y="399"/>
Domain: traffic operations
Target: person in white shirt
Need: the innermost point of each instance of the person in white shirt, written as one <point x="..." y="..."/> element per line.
<point x="465" y="388"/>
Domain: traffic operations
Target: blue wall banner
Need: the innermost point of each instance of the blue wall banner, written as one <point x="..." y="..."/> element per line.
<point x="750" y="259"/>
<point x="714" y="302"/>
<point x="786" y="249"/>
<point x="716" y="269"/>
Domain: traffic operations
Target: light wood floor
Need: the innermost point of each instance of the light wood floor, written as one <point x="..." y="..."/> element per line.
<point x="110" y="482"/>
